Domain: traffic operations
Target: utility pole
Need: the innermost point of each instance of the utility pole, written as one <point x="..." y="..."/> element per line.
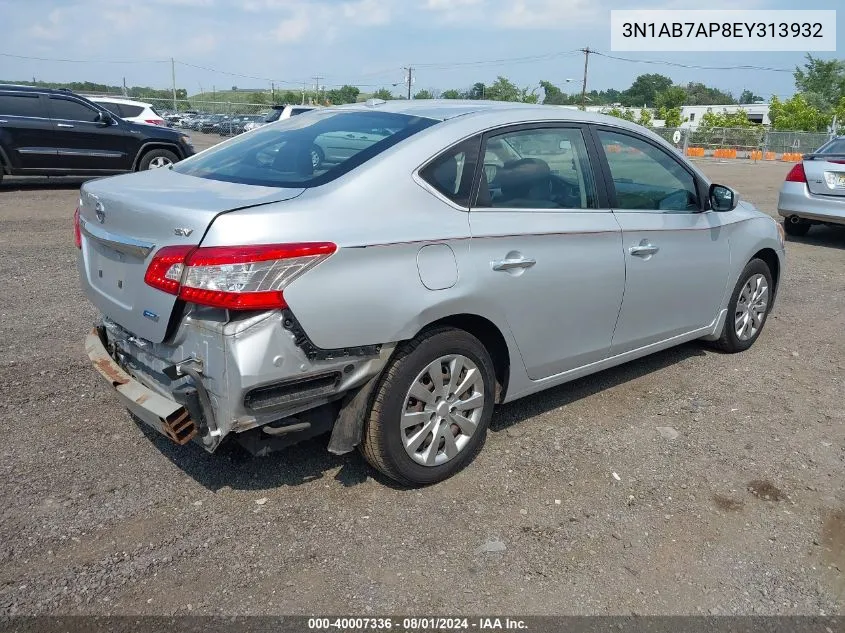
<point x="409" y="78"/>
<point x="173" y="80"/>
<point x="317" y="79"/>
<point x="586" y="52"/>
<point x="124" y="86"/>
<point x="272" y="93"/>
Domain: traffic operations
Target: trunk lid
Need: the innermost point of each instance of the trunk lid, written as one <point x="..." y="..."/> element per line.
<point x="126" y="219"/>
<point x="825" y="177"/>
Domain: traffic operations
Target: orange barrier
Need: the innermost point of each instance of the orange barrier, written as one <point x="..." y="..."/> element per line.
<point x="756" y="154"/>
<point x="695" y="151"/>
<point x="771" y="156"/>
<point x="613" y="149"/>
<point x="724" y="153"/>
<point x="792" y="157"/>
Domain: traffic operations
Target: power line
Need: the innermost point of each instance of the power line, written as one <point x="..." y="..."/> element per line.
<point x="87" y="61"/>
<point x="693" y="66"/>
<point x="504" y="60"/>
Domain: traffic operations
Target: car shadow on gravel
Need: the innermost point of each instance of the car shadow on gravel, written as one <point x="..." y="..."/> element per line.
<point x="232" y="466"/>
<point x="829" y="236"/>
<point x="309" y="461"/>
<point x="525" y="408"/>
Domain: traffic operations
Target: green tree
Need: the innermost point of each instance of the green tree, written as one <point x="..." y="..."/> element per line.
<point x="478" y="91"/>
<point x="796" y="113"/>
<point x="748" y="97"/>
<point x="825" y="78"/>
<point x="672" y="97"/>
<point x="671" y="116"/>
<point x="383" y="93"/>
<point x="645" y="89"/>
<point x="621" y="113"/>
<point x="553" y="94"/>
<point x="529" y="95"/>
<point x="699" y="94"/>
<point x="344" y="94"/>
<point x="503" y="90"/>
<point x="452" y="94"/>
<point x="645" y="117"/>
<point x="424" y="94"/>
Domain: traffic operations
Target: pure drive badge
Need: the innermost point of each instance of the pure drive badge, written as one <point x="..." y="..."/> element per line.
<point x="152" y="316"/>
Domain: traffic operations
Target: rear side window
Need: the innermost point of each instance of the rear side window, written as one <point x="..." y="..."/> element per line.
<point x="130" y="110"/>
<point x="296" y="111"/>
<point x="452" y="172"/>
<point x="112" y="107"/>
<point x="70" y="110"/>
<point x="273" y="115"/>
<point x="29" y="105"/>
<point x="304" y="151"/>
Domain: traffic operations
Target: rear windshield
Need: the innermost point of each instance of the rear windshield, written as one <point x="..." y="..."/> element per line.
<point x="304" y="151"/>
<point x="836" y="146"/>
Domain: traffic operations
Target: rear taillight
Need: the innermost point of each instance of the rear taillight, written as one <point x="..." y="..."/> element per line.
<point x="796" y="174"/>
<point x="234" y="277"/>
<point x="154" y="121"/>
<point x="77" y="231"/>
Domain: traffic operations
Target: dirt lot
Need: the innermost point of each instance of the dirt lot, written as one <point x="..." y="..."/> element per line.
<point x="742" y="512"/>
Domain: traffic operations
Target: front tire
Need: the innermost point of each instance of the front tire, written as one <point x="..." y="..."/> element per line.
<point x="156" y="159"/>
<point x="431" y="409"/>
<point x="748" y="308"/>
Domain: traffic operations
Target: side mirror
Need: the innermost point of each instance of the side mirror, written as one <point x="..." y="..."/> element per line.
<point x="105" y="118"/>
<point x="722" y="198"/>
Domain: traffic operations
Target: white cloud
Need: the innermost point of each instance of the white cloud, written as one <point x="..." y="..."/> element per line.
<point x="292" y="29"/>
<point x="52" y="29"/>
<point x="545" y="14"/>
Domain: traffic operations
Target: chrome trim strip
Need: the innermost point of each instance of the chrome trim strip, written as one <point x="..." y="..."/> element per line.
<point x="49" y="151"/>
<point x="63" y="151"/>
<point x="120" y="243"/>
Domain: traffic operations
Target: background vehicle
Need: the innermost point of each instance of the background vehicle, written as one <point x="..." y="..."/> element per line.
<point x="280" y="113"/>
<point x="528" y="252"/>
<point x="814" y="190"/>
<point x="206" y="124"/>
<point x="55" y="132"/>
<point x="130" y="110"/>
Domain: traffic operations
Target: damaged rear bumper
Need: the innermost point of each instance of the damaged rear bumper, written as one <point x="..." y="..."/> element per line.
<point x="166" y="416"/>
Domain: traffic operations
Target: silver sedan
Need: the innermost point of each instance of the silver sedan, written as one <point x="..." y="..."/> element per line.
<point x="814" y="190"/>
<point x="441" y="258"/>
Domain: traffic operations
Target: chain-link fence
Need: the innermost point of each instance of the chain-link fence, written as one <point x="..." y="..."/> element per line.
<point x="231" y="108"/>
<point x="753" y="142"/>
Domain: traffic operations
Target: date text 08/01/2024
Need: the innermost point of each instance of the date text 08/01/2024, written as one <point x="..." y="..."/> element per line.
<point x="416" y="624"/>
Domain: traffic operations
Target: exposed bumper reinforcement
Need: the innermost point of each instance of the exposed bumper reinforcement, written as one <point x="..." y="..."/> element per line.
<point x="166" y="416"/>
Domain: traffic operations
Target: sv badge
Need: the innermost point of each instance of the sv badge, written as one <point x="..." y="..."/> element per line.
<point x="181" y="232"/>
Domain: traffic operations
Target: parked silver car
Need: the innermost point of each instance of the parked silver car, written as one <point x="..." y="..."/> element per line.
<point x="472" y="254"/>
<point x="814" y="189"/>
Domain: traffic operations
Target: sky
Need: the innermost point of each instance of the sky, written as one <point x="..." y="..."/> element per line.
<point x="450" y="43"/>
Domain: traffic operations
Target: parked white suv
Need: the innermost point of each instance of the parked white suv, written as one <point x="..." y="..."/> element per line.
<point x="279" y="113"/>
<point x="130" y="110"/>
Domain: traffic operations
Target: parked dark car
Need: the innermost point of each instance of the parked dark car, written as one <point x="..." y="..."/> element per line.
<point x="45" y="132"/>
<point x="207" y="124"/>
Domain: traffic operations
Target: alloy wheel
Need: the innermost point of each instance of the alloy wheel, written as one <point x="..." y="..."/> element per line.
<point x="751" y="307"/>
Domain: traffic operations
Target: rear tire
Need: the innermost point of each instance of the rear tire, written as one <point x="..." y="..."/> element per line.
<point x="797" y="229"/>
<point x="748" y="308"/>
<point x="157" y="158"/>
<point x="418" y="441"/>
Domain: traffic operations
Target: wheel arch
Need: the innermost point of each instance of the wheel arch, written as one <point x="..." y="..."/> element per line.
<point x="151" y="145"/>
<point x="770" y="258"/>
<point x="490" y="336"/>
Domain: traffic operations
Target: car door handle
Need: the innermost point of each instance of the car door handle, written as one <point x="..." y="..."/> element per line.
<point x="644" y="249"/>
<point x="3" y="121"/>
<point x="63" y="125"/>
<point x="509" y="264"/>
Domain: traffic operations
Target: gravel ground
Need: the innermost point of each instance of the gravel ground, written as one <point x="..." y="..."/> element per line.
<point x="728" y="494"/>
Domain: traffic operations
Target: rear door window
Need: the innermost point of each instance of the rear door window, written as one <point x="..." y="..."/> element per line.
<point x="72" y="110"/>
<point x="24" y="105"/>
<point x="451" y="173"/>
<point x="304" y="151"/>
<point x="130" y="110"/>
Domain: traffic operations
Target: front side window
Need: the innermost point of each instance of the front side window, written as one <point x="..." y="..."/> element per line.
<point x="71" y="110"/>
<point x="646" y="178"/>
<point x="304" y="151"/>
<point x="544" y="168"/>
<point x="451" y="173"/>
<point x="114" y="108"/>
<point x="27" y="105"/>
